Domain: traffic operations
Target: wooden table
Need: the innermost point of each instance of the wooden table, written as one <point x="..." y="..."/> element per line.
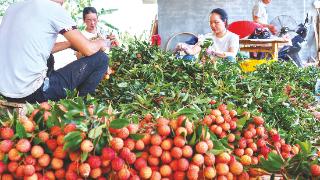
<point x="262" y="45"/>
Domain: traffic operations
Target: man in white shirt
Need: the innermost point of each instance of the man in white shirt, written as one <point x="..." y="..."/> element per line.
<point x="28" y="33"/>
<point x="259" y="14"/>
<point x="93" y="31"/>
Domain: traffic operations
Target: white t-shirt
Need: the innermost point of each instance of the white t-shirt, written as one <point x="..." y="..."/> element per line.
<point x="89" y="35"/>
<point x="259" y="10"/>
<point x="101" y="33"/>
<point x="229" y="40"/>
<point x="28" y="32"/>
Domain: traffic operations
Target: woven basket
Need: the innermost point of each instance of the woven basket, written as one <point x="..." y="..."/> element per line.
<point x="175" y="35"/>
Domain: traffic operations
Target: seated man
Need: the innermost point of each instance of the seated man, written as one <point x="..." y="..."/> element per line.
<point x="28" y="34"/>
<point x="93" y="31"/>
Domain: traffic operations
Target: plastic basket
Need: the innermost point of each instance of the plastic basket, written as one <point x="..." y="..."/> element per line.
<point x="250" y="65"/>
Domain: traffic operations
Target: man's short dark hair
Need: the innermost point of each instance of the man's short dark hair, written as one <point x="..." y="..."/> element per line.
<point x="88" y="10"/>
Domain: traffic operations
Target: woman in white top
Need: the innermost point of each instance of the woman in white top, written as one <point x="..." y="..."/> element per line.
<point x="225" y="43"/>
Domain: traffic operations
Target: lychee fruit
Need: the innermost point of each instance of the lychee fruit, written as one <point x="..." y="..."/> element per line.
<point x="59" y="152"/>
<point x="117" y="164"/>
<point x="163" y="130"/>
<point x="131" y="158"/>
<point x="140" y="163"/>
<point x="222" y="169"/>
<point x="44" y="160"/>
<point x="7" y="177"/>
<point x="145" y="172"/>
<point x="14" y="155"/>
<point x="198" y="159"/>
<point x="124" y="174"/>
<point x="183" y="164"/>
<point x="60" y="173"/>
<point x="6" y="146"/>
<point x="94" y="162"/>
<point x="139" y="145"/>
<point x="56" y="163"/>
<point x="6" y="133"/>
<point x="43" y="136"/>
<point x="202" y="147"/>
<point x="129" y="143"/>
<point x="37" y="151"/>
<point x="84" y="170"/>
<point x="30" y="160"/>
<point x="12" y="166"/>
<point x="86" y="146"/>
<point x="28" y="170"/>
<point x="116" y="144"/>
<point x="23" y="145"/>
<point x="133" y="128"/>
<point x="108" y="154"/>
<point x="123" y="133"/>
<point x="69" y="128"/>
<point x="52" y="144"/>
<point x="236" y="168"/>
<point x="209" y="159"/>
<point x="155" y="151"/>
<point x="3" y="167"/>
<point x="315" y="170"/>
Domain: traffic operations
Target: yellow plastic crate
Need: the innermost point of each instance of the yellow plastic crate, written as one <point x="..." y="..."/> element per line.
<point x="249" y="65"/>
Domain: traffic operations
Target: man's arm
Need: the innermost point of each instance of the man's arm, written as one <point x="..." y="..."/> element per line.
<point x="271" y="27"/>
<point x="257" y="20"/>
<point x="86" y="47"/>
<point x="60" y="46"/>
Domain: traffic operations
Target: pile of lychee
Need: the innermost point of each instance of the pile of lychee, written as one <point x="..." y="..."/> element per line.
<point x="168" y="149"/>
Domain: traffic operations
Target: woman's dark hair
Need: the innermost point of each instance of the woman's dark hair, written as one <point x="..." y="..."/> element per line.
<point x="223" y="14"/>
<point x="88" y="10"/>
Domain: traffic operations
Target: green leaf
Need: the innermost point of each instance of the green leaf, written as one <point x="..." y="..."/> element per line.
<point x="30" y="108"/>
<point x="216" y="151"/>
<point x="185" y="97"/>
<point x="135" y="119"/>
<point x="230" y="106"/>
<point x="305" y="147"/>
<point x="72" y="135"/>
<point x="225" y="143"/>
<point x="136" y="136"/>
<point x="138" y="154"/>
<point x="95" y="132"/>
<point x="122" y="85"/>
<point x="83" y="127"/>
<point x="192" y="141"/>
<point x="199" y="131"/>
<point x="72" y="145"/>
<point x="21" y="132"/>
<point x="100" y="111"/>
<point x="119" y="123"/>
<point x="186" y="111"/>
<point x="36" y="140"/>
<point x="241" y="122"/>
<point x="6" y="159"/>
<point x="84" y="156"/>
<point x="273" y="164"/>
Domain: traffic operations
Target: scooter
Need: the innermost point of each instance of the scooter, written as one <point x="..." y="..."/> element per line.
<point x="291" y="52"/>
